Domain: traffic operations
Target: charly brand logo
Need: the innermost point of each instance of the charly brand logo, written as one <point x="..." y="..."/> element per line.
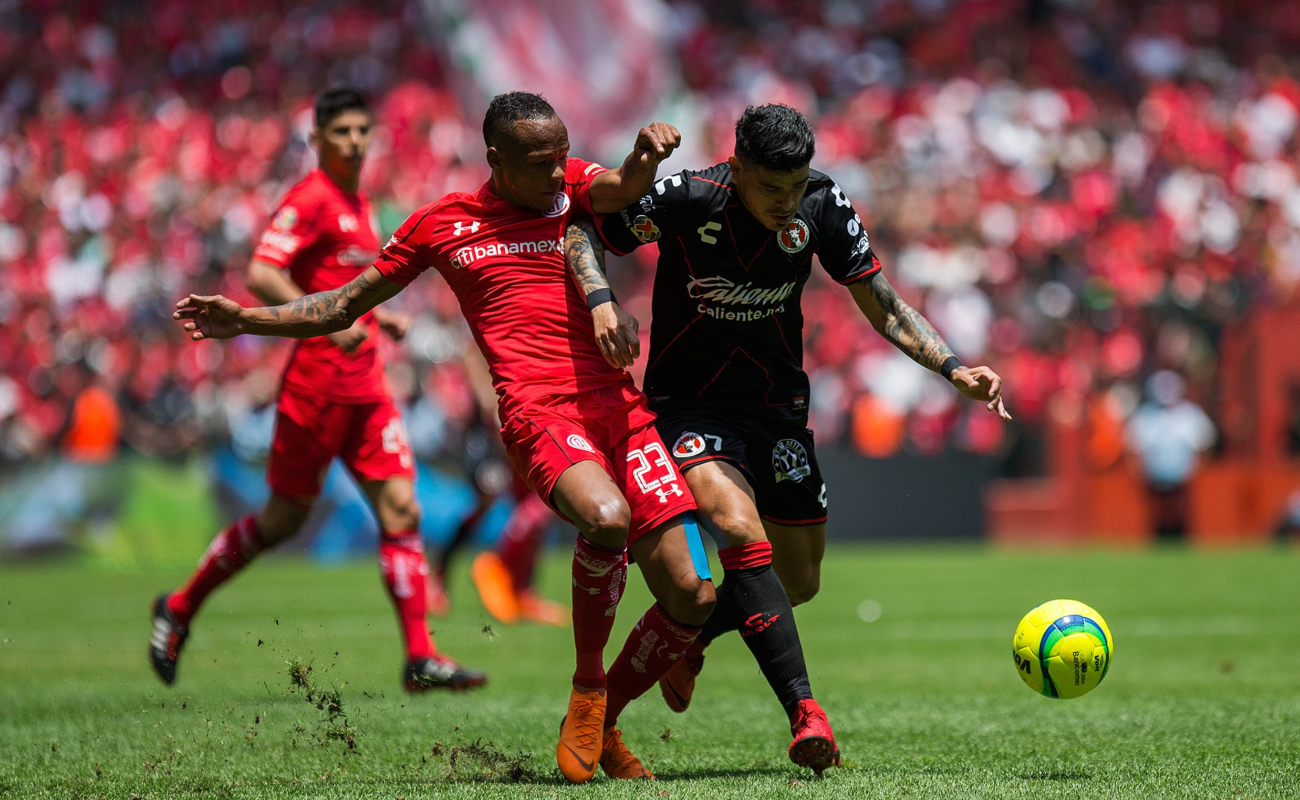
<point x="468" y="255"/>
<point x="560" y="206"/>
<point x="794" y="236"/>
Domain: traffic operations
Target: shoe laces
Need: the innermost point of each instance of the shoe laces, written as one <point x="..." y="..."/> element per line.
<point x="617" y="752"/>
<point x="586" y="727"/>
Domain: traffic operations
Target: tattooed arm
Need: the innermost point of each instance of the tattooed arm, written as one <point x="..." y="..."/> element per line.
<point x="216" y="317"/>
<point x="905" y="328"/>
<point x="616" y="330"/>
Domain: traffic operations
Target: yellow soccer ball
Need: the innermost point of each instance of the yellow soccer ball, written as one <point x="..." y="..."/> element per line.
<point x="1062" y="649"/>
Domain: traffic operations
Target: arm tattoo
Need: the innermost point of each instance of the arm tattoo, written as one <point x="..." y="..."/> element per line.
<point x="318" y="314"/>
<point x="586" y="256"/>
<point x="907" y="330"/>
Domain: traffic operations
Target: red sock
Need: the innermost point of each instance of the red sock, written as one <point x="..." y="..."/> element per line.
<point x="406" y="575"/>
<point x="234" y="547"/>
<point x="599" y="574"/>
<point x="522" y="538"/>
<point x="651" y="649"/>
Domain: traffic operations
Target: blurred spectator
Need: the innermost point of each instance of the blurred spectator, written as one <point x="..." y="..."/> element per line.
<point x="1168" y="433"/>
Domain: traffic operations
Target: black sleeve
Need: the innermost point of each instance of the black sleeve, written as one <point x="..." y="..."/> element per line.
<point x="844" y="249"/>
<point x="647" y="219"/>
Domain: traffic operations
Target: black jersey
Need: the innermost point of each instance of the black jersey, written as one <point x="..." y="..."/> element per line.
<point x="727" y="326"/>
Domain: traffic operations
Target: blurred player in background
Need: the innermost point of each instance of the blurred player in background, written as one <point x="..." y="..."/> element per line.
<point x="577" y="428"/>
<point x="334" y="402"/>
<point x="503" y="575"/>
<point x="725" y="376"/>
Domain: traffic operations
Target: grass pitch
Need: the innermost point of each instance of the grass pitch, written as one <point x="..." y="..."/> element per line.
<point x="1202" y="700"/>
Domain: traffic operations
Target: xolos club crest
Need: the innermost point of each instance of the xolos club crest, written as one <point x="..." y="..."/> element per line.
<point x="794" y="236"/>
<point x="689" y="444"/>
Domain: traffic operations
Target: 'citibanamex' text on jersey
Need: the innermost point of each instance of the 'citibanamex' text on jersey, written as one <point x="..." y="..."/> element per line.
<point x="324" y="237"/>
<point x="507" y="268"/>
<point x="727" y="323"/>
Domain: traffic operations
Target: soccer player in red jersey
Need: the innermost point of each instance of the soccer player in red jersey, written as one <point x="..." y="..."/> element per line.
<point x="334" y="402"/>
<point x="575" y="426"/>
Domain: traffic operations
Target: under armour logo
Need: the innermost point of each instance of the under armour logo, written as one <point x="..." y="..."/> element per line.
<point x="667" y="491"/>
<point x="471" y="227"/>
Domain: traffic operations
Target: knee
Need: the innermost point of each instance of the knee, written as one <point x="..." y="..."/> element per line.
<point x="735" y="527"/>
<point x="280" y="521"/>
<point x="399" y="510"/>
<point x="803" y="587"/>
<point x="607" y="521"/>
<point x="693" y="602"/>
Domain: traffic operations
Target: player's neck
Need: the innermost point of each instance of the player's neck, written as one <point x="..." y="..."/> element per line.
<point x="494" y="186"/>
<point x="346" y="182"/>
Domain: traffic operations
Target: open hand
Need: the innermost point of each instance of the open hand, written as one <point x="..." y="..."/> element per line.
<point x="349" y="339"/>
<point x="981" y="383"/>
<point x="209" y="317"/>
<point x="393" y="323"/>
<point x="616" y="334"/>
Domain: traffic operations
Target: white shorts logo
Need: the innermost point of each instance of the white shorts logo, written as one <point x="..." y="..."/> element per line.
<point x="579" y="443"/>
<point x="790" y="461"/>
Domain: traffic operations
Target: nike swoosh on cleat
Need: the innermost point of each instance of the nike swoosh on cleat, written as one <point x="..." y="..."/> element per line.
<point x="587" y="765"/>
<point x="681" y="701"/>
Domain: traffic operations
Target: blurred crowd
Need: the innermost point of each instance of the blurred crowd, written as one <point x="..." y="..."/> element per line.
<point x="1080" y="193"/>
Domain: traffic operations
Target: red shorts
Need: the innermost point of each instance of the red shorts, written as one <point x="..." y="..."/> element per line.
<point x="310" y="432"/>
<point x="612" y="427"/>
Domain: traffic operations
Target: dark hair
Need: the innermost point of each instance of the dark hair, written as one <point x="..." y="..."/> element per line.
<point x="331" y="103"/>
<point x="511" y="107"/>
<point x="775" y="137"/>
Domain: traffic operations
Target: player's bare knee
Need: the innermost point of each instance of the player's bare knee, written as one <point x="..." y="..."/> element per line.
<point x="693" y="601"/>
<point x="802" y="591"/>
<point x="282" y="519"/>
<point x="735" y="527"/>
<point x="607" y="521"/>
<point x="400" y="512"/>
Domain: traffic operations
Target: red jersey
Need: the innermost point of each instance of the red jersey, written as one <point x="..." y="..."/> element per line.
<point x="507" y="268"/>
<point x="324" y="237"/>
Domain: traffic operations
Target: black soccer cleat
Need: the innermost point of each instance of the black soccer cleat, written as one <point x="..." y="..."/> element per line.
<point x="166" y="641"/>
<point x="439" y="672"/>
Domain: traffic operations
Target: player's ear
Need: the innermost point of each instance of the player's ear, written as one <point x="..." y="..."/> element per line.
<point x="314" y="138"/>
<point x="494" y="158"/>
<point x="734" y="163"/>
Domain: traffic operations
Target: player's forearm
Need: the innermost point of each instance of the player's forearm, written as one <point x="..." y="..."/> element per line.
<point x="272" y="285"/>
<point x="586" y="256"/>
<point x="635" y="179"/>
<point x="321" y="313"/>
<point x="903" y="326"/>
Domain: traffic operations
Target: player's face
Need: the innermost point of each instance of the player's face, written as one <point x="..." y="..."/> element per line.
<point x="772" y="197"/>
<point x="528" y="165"/>
<point x="343" y="142"/>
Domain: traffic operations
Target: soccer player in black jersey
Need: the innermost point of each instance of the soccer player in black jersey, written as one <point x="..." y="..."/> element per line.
<point x="725" y="375"/>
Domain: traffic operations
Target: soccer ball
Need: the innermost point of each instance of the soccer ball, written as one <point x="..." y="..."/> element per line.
<point x="1062" y="649"/>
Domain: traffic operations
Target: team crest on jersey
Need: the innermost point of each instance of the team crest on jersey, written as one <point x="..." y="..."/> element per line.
<point x="286" y="219"/>
<point x="688" y="444"/>
<point x="645" y="229"/>
<point x="579" y="443"/>
<point x="794" y="237"/>
<point x="790" y="461"/>
<point x="561" y="205"/>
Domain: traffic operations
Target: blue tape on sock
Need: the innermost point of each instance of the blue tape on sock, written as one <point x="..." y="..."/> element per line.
<point x="696" y="545"/>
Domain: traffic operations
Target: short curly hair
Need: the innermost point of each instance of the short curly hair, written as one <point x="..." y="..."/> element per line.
<point x="775" y="137"/>
<point x="511" y="107"/>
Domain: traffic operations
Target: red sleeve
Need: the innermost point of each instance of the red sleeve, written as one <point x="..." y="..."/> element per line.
<point x="291" y="231"/>
<point x="577" y="179"/>
<point x="409" y="252"/>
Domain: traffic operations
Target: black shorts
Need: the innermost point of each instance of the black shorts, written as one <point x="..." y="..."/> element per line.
<point x="776" y="456"/>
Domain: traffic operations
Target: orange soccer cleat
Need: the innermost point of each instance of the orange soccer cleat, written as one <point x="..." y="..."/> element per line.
<point x="580" y="735"/>
<point x="618" y="762"/>
<point x="497" y="591"/>
<point x="814" y="744"/>
<point x="678" y="684"/>
<point x="542" y="611"/>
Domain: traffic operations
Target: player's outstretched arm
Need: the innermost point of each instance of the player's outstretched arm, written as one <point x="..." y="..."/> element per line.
<point x="616" y="330"/>
<point x="615" y="190"/>
<point x="905" y="328"/>
<point x="216" y="317"/>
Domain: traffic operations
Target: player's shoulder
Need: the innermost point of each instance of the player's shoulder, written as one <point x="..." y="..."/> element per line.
<point x="819" y="184"/>
<point x="708" y="187"/>
<point x="575" y="167"/>
<point x="430" y="216"/>
<point x="303" y="198"/>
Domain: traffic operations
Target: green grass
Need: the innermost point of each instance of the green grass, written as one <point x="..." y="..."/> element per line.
<point x="1202" y="700"/>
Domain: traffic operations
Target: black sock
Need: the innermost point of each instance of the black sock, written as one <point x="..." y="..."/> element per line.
<point x="763" y="614"/>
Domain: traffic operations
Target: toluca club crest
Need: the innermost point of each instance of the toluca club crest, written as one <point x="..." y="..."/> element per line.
<point x="794" y="237"/>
